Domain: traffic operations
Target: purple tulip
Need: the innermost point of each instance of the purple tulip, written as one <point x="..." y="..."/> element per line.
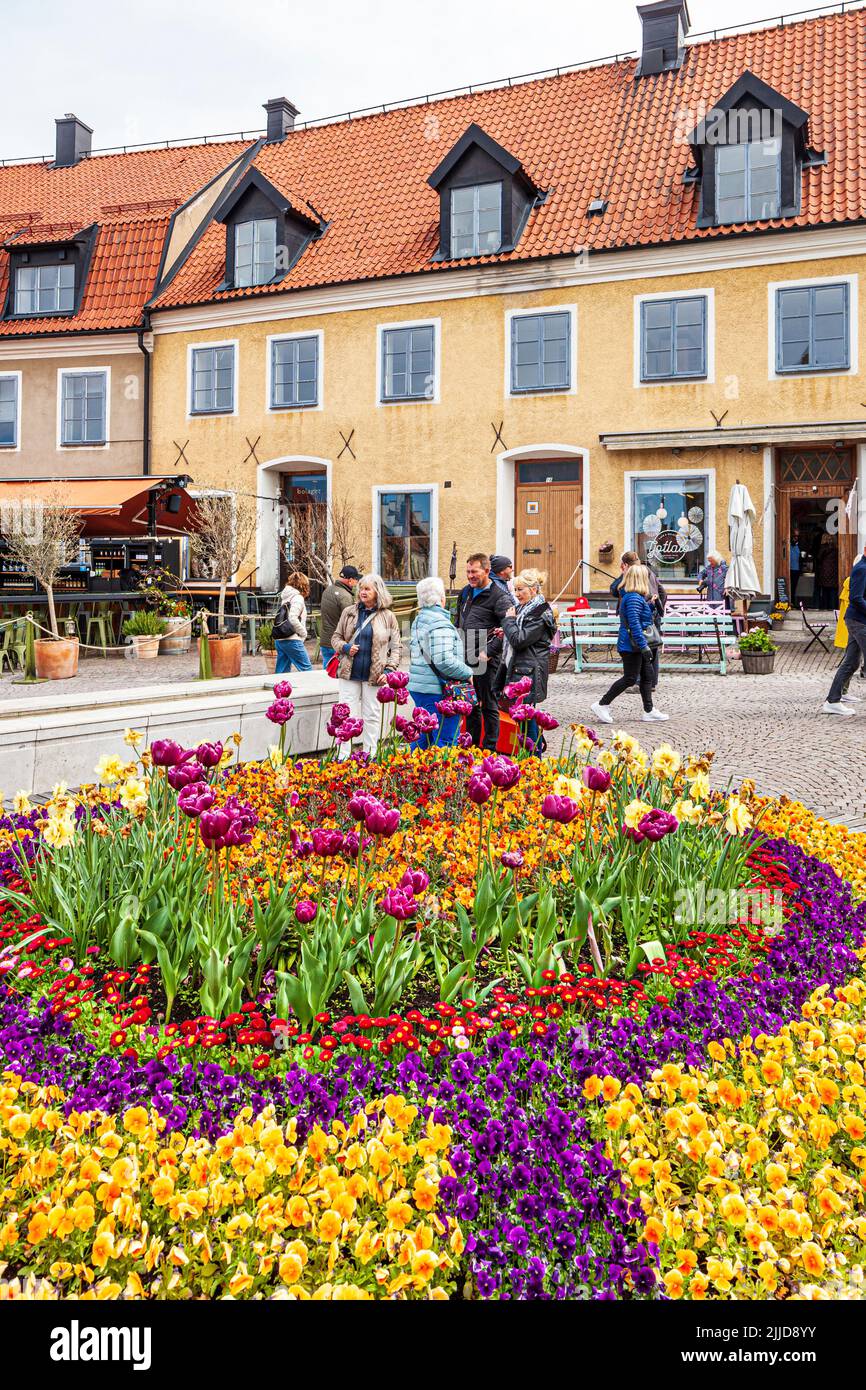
<point x="185" y="773"/>
<point x="244" y="821"/>
<point x="560" y="809"/>
<point x="349" y="729"/>
<point x="503" y="773"/>
<point x="401" y="696"/>
<point x="464" y="740"/>
<point x="358" y="802"/>
<point x="305" y="910"/>
<point x="546" y="721"/>
<point x="425" y="722"/>
<point x="385" y="695"/>
<point x="511" y="858"/>
<point x="327" y="842"/>
<point x="398" y="680"/>
<point x="521" y="714"/>
<point x="381" y="820"/>
<point x="280" y="712"/>
<point x="518" y="688"/>
<point x="656" y="824"/>
<point x="398" y="904"/>
<point x="340" y="712"/>
<point x="214" y="826"/>
<point x="405" y="727"/>
<point x="165" y="752"/>
<point x="195" y="798"/>
<point x="596" y="779"/>
<point x="479" y="787"/>
<point x="352" y="844"/>
<point x="209" y="754"/>
<point x="414" y="881"/>
<point x="446" y="708"/>
<point x="282" y="690"/>
<point x="634" y="834"/>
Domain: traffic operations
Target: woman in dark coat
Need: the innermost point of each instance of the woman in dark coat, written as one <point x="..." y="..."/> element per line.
<point x="528" y="631"/>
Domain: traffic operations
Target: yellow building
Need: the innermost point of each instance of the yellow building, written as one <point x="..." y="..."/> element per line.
<point x="555" y="320"/>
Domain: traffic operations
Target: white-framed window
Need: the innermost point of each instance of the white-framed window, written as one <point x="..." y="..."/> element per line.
<point x="407" y="367"/>
<point x="812" y="327"/>
<point x="83" y="408"/>
<point x="675" y="338"/>
<point x="295" y="368"/>
<point x="45" y="289"/>
<point x="476" y="220"/>
<point x="541" y="350"/>
<point x="670" y="520"/>
<point x="213" y="379"/>
<point x="255" y="252"/>
<point x="10" y="410"/>
<point x="405" y="530"/>
<point x="748" y="181"/>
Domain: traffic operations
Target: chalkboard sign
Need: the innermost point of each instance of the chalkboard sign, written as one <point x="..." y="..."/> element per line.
<point x="782" y="590"/>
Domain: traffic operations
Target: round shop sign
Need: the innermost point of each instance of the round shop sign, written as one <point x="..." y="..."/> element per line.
<point x="667" y="548"/>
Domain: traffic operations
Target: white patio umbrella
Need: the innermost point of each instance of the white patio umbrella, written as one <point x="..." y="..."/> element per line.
<point x="742" y="577"/>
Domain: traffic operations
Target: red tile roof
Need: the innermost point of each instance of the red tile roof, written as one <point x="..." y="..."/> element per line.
<point x="130" y="198"/>
<point x="596" y="132"/>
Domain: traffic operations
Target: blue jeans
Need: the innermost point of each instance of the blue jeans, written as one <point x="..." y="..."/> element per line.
<point x="291" y="652"/>
<point x="443" y="737"/>
<point x="326" y="654"/>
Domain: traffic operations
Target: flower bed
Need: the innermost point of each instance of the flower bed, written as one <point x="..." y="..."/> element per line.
<point x="504" y="944"/>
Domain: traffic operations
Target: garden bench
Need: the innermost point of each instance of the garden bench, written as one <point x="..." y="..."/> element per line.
<point x="700" y="632"/>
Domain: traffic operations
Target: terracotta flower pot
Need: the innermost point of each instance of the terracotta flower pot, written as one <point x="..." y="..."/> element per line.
<point x="56" y="660"/>
<point x="145" y="648"/>
<point x="225" y="655"/>
<point x="270" y="660"/>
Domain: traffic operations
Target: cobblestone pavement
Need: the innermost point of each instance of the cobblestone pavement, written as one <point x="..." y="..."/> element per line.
<point x="764" y="727"/>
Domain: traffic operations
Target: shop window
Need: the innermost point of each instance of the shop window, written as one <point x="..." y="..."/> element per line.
<point x="404" y="536"/>
<point x="669" y="521"/>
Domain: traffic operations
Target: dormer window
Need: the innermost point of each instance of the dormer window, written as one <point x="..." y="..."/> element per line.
<point x="255" y="252"/>
<point x="476" y="219"/>
<point x="266" y="232"/>
<point x="750" y="151"/>
<point x="485" y="198"/>
<point x="45" y="289"/>
<point x="748" y="181"/>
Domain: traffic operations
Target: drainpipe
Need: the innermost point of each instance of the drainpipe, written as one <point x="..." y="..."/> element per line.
<point x="145" y="438"/>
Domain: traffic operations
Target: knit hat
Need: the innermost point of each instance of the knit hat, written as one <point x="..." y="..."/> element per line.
<point x="498" y="563"/>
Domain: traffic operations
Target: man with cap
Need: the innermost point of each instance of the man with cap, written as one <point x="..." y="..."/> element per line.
<point x="501" y="572"/>
<point x="338" y="595"/>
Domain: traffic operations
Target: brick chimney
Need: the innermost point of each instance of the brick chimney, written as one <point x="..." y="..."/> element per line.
<point x="664" y="27"/>
<point x="73" y="141"/>
<point x="281" y="118"/>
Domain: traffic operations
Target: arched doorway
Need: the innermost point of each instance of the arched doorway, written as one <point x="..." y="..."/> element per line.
<point x="542" y="512"/>
<point x="293" y="499"/>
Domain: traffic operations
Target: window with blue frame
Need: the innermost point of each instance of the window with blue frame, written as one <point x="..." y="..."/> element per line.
<point x="812" y="328"/>
<point x="540" y="352"/>
<point x="294" y="373"/>
<point x="83" y="408"/>
<point x="212" y="388"/>
<point x="673" y="339"/>
<point x="8" y="412"/>
<point x="408" y="365"/>
<point x="748" y="181"/>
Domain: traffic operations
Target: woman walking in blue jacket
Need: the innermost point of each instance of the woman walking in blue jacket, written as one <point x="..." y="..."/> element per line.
<point x="437" y="656"/>
<point x="634" y="647"/>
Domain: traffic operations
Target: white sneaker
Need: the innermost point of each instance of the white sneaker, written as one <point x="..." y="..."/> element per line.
<point x="852" y="699"/>
<point x="654" y="716"/>
<point x="602" y="714"/>
<point x="827" y="708"/>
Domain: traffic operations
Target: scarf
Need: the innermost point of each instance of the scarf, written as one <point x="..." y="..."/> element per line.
<point x="520" y="619"/>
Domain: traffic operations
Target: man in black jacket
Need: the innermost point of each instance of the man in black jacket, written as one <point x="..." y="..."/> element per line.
<point x="480" y="609"/>
<point x="855" y="652"/>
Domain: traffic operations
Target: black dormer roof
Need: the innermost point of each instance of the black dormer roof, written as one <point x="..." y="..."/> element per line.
<point x="748" y="90"/>
<point x="474" y="135"/>
<point x="283" y="205"/>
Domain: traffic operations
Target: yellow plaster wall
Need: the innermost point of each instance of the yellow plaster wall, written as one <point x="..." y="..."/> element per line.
<point x="454" y="438"/>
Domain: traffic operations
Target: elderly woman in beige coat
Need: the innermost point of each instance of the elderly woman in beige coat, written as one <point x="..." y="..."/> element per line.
<point x="368" y="644"/>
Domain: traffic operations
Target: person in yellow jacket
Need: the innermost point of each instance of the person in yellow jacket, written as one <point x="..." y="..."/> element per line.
<point x="842" y="637"/>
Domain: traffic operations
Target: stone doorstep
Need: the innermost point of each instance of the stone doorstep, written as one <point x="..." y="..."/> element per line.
<point x="314" y="683"/>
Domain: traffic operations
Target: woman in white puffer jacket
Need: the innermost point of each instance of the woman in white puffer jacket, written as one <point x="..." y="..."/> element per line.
<point x="290" y="625"/>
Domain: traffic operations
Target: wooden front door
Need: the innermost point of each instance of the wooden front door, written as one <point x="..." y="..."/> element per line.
<point x="823" y="476"/>
<point x="548" y="534"/>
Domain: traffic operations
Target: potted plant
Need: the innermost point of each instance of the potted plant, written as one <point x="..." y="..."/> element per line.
<point x="225" y="530"/>
<point x="40" y="532"/>
<point x="145" y="628"/>
<point x="267" y="649"/>
<point x="178" y="626"/>
<point x="758" y="652"/>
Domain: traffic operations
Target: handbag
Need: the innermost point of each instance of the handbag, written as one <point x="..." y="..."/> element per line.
<point x="332" y="666"/>
<point x="652" y="635"/>
<point x="453" y="690"/>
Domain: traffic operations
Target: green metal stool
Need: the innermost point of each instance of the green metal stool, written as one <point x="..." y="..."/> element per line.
<point x="99" y="625"/>
<point x="13" y="645"/>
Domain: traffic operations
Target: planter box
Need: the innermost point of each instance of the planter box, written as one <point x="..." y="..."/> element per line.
<point x="270" y="659"/>
<point x="145" y="648"/>
<point x="178" y="635"/>
<point x="758" y="663"/>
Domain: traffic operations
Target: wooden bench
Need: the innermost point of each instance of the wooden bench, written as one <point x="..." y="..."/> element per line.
<point x="700" y="632"/>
